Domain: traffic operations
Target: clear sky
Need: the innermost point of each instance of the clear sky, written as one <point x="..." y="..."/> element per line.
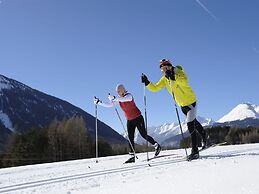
<point x="76" y="49"/>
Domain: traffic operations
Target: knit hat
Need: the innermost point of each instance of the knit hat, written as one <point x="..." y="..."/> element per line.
<point x="165" y="62"/>
<point x="120" y="86"/>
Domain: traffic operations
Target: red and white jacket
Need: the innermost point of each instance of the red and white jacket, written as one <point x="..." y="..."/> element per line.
<point x="127" y="104"/>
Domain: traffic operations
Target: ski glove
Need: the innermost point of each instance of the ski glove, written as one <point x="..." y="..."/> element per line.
<point x="97" y="100"/>
<point x="144" y="79"/>
<point x="111" y="98"/>
<point x="170" y="75"/>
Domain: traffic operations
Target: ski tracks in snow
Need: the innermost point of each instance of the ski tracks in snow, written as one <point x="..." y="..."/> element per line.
<point x="111" y="176"/>
<point x="125" y="168"/>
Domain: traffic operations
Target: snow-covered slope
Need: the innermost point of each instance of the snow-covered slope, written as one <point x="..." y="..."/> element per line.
<point x="6" y="121"/>
<point x="24" y="108"/>
<point x="224" y="170"/>
<point x="241" y="112"/>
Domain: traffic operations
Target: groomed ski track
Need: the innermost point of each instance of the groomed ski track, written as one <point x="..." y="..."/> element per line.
<point x="168" y="159"/>
<point x="110" y="175"/>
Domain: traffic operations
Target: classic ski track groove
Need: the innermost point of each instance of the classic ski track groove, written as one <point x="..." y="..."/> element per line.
<point x="32" y="184"/>
<point x="150" y="163"/>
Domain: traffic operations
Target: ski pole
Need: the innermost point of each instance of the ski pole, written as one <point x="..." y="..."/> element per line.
<point x="145" y="108"/>
<point x="177" y="113"/>
<point x="116" y="110"/>
<point x="96" y="133"/>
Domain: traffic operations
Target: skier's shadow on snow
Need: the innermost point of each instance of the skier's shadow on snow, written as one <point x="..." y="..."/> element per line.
<point x="232" y="154"/>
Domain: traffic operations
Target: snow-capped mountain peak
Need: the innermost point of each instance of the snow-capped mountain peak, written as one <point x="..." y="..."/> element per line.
<point x="241" y="112"/>
<point x="168" y="130"/>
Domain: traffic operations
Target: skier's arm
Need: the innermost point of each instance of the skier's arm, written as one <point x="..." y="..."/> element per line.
<point x="108" y="104"/>
<point x="158" y="86"/>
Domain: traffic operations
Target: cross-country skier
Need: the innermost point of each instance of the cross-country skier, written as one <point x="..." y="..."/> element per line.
<point x="133" y="116"/>
<point x="176" y="82"/>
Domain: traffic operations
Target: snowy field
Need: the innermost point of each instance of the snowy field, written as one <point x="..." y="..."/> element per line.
<point x="224" y="169"/>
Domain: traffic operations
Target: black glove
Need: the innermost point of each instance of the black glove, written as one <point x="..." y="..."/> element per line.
<point x="170" y="74"/>
<point x="97" y="100"/>
<point x="144" y="79"/>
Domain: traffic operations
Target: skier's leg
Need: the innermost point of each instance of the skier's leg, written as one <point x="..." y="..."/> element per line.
<point x="190" y="113"/>
<point x="199" y="127"/>
<point x="202" y="132"/>
<point x="193" y="136"/>
<point x="142" y="130"/>
<point x="195" y="152"/>
<point x="131" y="131"/>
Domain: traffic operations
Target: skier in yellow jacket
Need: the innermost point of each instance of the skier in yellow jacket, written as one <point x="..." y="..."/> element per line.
<point x="176" y="82"/>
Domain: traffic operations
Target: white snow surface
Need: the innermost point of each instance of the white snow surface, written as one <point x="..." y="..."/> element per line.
<point x="220" y="170"/>
<point x="4" y="118"/>
<point x="241" y="112"/>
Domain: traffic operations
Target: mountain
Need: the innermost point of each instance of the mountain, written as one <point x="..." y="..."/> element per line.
<point x="243" y="115"/>
<point x="241" y="112"/>
<point x="169" y="133"/>
<point x="248" y="122"/>
<point x="23" y="108"/>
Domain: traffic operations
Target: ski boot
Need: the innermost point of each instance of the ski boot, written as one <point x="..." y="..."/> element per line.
<point x="194" y="155"/>
<point x="131" y="159"/>
<point x="157" y="149"/>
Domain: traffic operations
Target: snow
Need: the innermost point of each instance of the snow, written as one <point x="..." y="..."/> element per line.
<point x="224" y="170"/>
<point x="257" y="109"/>
<point x="241" y="112"/>
<point x="4" y="118"/>
<point x="4" y="83"/>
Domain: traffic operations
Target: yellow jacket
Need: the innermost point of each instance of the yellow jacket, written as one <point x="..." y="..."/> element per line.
<point x="183" y="93"/>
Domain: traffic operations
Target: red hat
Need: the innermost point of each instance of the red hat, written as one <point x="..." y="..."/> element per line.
<point x="165" y="62"/>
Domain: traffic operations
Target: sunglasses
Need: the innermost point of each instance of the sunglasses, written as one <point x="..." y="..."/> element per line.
<point x="163" y="65"/>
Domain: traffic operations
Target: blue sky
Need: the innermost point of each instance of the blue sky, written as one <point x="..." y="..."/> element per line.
<point x="77" y="49"/>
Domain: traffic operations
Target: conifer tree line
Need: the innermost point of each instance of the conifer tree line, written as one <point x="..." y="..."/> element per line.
<point x="62" y="140"/>
<point x="69" y="140"/>
<point x="231" y="135"/>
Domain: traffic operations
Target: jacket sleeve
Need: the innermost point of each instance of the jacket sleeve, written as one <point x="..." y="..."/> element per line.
<point x="158" y="86"/>
<point x="108" y="104"/>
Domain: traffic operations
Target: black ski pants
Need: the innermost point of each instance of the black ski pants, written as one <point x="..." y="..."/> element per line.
<point x="193" y="125"/>
<point x="140" y="124"/>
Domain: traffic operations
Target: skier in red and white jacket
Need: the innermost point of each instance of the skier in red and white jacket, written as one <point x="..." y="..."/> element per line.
<point x="133" y="116"/>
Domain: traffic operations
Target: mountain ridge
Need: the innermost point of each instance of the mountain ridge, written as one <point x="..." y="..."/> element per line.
<point x="23" y="108"/>
<point x="169" y="133"/>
